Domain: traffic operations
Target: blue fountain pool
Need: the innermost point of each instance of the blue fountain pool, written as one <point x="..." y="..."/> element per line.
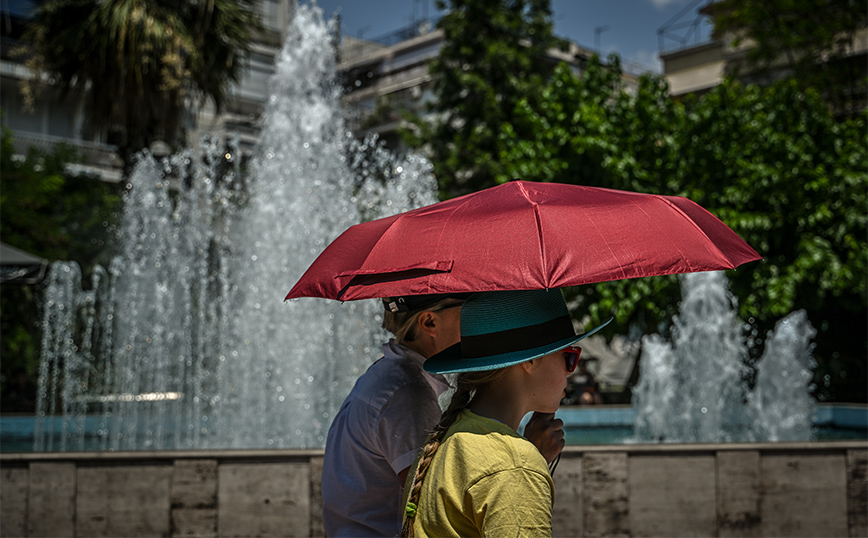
<point x="614" y="424"/>
<point x="584" y="426"/>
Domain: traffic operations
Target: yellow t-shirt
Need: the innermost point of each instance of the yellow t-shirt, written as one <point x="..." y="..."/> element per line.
<point x="484" y="480"/>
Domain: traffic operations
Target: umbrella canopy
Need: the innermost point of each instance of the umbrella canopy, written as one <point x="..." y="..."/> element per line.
<point x="521" y="236"/>
<point x="19" y="267"/>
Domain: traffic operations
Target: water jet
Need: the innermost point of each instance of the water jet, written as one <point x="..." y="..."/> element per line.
<point x="185" y="341"/>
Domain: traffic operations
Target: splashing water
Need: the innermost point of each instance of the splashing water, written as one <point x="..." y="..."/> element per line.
<point x="186" y="342"/>
<point x="694" y="388"/>
<point x="781" y="397"/>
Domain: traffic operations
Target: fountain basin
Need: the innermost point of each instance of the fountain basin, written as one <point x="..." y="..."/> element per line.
<point x="604" y="425"/>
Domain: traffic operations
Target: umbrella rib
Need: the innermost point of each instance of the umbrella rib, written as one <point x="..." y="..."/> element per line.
<point x="539" y="232"/>
<point x="382" y="235"/>
<point x="542" y="249"/>
<point x="698" y="228"/>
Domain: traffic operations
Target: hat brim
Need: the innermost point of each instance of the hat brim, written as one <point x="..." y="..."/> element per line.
<point x="451" y="360"/>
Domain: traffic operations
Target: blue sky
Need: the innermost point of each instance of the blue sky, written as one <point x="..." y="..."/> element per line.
<point x="628" y="27"/>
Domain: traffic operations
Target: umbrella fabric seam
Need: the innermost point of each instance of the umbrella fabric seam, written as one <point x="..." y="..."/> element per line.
<point x="615" y="257"/>
<point x="538" y="218"/>
<point x="542" y="246"/>
<point x="698" y="228"/>
<point x="445" y="281"/>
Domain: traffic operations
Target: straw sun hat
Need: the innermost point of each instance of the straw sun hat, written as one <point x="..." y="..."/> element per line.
<point x="502" y="328"/>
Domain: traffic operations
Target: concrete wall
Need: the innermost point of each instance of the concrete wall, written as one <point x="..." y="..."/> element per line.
<point x="781" y="489"/>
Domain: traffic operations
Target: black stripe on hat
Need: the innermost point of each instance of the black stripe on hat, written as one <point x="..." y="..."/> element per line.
<point x="517" y="339"/>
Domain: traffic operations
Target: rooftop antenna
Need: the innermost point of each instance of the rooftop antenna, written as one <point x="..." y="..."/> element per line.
<point x="679" y="30"/>
<point x="597" y="31"/>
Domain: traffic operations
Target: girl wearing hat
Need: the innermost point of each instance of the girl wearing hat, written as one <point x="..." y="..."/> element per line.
<point x="476" y="476"/>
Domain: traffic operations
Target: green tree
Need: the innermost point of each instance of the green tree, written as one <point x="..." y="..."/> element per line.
<point x="53" y="213"/>
<point x="774" y="164"/>
<point x="808" y="40"/>
<point x="771" y="162"/>
<point x="495" y="53"/>
<point x="136" y="66"/>
<point x="58" y="216"/>
<point x="590" y="130"/>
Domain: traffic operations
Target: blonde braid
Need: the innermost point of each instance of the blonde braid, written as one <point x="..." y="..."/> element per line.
<point x="466" y="386"/>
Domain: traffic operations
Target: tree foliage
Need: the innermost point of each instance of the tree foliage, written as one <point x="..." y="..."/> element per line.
<point x="771" y="162"/>
<point x="56" y="215"/>
<point x="53" y="213"/>
<point x="776" y="166"/>
<point x="590" y="130"/>
<point x="494" y="54"/>
<point x="136" y="66"/>
<point x="808" y="40"/>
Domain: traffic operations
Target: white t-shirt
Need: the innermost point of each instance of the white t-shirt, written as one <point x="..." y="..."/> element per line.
<point x="376" y="434"/>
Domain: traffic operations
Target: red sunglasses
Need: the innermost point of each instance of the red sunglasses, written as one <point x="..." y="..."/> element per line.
<point x="571" y="357"/>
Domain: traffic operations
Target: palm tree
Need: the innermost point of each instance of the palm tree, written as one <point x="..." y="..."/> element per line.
<point x="137" y="66"/>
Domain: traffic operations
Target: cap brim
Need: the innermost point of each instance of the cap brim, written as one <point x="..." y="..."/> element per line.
<point x="412" y="303"/>
<point x="451" y="360"/>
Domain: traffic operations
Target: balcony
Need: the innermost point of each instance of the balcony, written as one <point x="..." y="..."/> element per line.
<point x="96" y="159"/>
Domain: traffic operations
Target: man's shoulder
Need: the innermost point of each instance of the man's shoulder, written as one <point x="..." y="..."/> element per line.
<point x="397" y="370"/>
<point x="387" y="377"/>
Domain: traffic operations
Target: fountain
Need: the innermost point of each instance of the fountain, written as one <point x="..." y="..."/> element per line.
<point x="185" y="341"/>
<point x="696" y="389"/>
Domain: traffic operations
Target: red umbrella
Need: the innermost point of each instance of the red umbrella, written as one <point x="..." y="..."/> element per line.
<point x="519" y="236"/>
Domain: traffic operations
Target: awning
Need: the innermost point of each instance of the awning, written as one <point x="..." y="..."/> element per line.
<point x="19" y="267"/>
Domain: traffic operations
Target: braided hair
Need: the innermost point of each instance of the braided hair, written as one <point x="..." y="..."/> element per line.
<point x="467" y="383"/>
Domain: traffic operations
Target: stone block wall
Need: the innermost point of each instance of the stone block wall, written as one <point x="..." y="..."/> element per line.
<point x="785" y="490"/>
<point x="775" y="489"/>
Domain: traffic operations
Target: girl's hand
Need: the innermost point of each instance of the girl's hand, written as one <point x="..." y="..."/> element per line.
<point x="546" y="433"/>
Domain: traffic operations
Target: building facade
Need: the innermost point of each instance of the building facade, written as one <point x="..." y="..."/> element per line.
<point x="695" y="68"/>
<point x="53" y="120"/>
<point x="387" y="77"/>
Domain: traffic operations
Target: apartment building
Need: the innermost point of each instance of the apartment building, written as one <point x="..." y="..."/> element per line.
<point x="54" y="120"/>
<point x="694" y="62"/>
<point x="385" y="77"/>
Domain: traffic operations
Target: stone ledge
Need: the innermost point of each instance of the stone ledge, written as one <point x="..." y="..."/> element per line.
<point x="762" y="489"/>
